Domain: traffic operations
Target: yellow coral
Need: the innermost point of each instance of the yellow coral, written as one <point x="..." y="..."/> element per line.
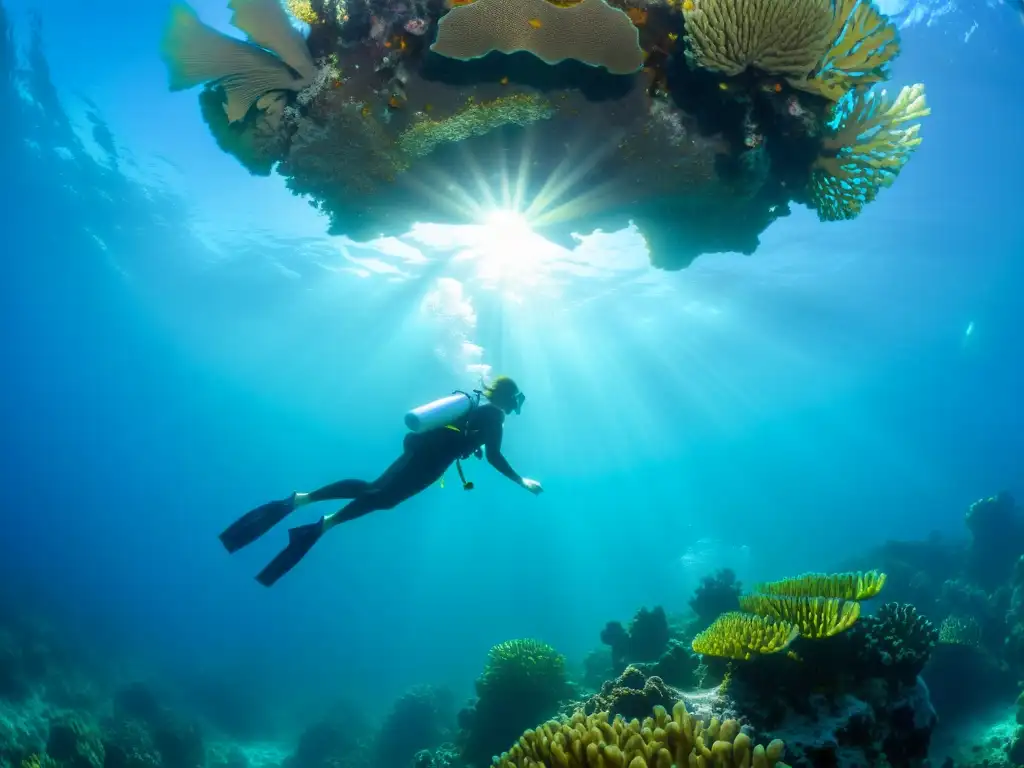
<point x="475" y="119"/>
<point x="871" y="141"/>
<point x="863" y="43"/>
<point x="814" y="617"/>
<point x="856" y="585"/>
<point x="661" y="741"/>
<point x="303" y="11"/>
<point x="742" y="636"/>
<point x="590" y="31"/>
<point x="785" y="38"/>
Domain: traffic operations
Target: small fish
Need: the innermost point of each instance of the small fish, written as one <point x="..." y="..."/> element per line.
<point x="504" y="81"/>
<point x="723" y="86"/>
<point x="535" y="23"/>
<point x="672" y="37"/>
<point x="637" y="15"/>
<point x="688" y="6"/>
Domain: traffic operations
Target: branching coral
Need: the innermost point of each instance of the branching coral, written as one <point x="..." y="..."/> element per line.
<point x="590" y="31"/>
<point x="896" y="642"/>
<point x="871" y="140"/>
<point x="814" y="617"/>
<point x="661" y="741"/>
<point x="855" y="585"/>
<point x="196" y="53"/>
<point x="863" y="43"/>
<point x="960" y="630"/>
<point x="743" y="636"/>
<point x="783" y="38"/>
<point x="475" y="119"/>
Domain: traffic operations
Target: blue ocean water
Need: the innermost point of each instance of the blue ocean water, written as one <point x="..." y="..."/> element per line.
<point x="182" y="342"/>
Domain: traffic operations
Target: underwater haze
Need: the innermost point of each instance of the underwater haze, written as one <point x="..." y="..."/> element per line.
<point x="183" y="342"/>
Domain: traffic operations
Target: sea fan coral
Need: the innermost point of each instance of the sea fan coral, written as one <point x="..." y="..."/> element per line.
<point x="196" y="53"/>
<point x="872" y="139"/>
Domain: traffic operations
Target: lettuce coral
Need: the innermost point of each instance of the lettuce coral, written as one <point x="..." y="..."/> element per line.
<point x="662" y="740"/>
<point x="590" y="31"/>
<point x="854" y="585"/>
<point x="743" y="636"/>
<point x="814" y="617"/>
<point x="871" y="140"/>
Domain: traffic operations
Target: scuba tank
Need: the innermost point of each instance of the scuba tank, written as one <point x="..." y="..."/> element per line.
<point x="441" y="412"/>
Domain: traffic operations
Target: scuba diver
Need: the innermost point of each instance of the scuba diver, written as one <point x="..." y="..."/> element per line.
<point x="443" y="432"/>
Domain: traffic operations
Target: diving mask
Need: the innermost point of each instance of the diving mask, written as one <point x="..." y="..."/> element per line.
<point x="518" y="399"/>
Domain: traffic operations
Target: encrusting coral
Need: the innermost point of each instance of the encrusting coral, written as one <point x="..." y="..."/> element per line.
<point x="871" y="140"/>
<point x="474" y="119"/>
<point x="660" y="741"/>
<point x="590" y="31"/>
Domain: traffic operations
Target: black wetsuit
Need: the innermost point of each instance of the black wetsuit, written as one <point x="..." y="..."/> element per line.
<point x="425" y="458"/>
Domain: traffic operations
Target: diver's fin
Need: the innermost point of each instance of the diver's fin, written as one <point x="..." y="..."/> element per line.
<point x="250" y="526"/>
<point x="300" y="541"/>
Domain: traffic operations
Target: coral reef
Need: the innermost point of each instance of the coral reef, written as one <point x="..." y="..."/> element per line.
<point x="997" y="539"/>
<point x="646" y="639"/>
<point x="677" y="665"/>
<point x="716" y="594"/>
<point x="700" y="121"/>
<point x="422" y="718"/>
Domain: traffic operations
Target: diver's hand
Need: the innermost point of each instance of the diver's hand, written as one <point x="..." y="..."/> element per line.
<point x="532" y="486"/>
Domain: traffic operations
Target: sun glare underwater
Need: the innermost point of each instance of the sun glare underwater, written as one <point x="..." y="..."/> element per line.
<point x="658" y="362"/>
